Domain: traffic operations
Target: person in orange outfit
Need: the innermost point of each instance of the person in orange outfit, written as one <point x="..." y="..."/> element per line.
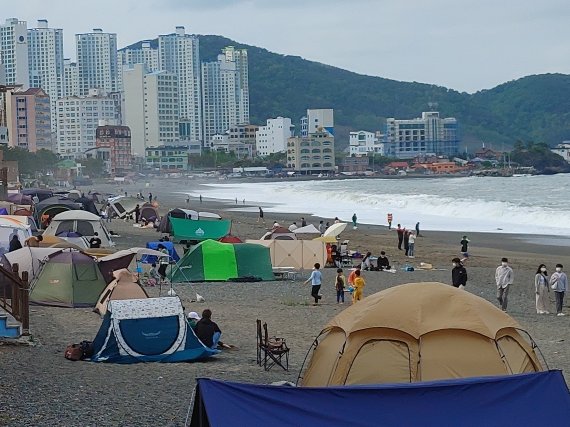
<point x="359" y="285"/>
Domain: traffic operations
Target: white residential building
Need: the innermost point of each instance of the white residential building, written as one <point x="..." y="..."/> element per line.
<point x="77" y="121"/>
<point x="70" y="78"/>
<point x="143" y="53"/>
<point x="97" y="61"/>
<point x="225" y="92"/>
<point x="362" y="142"/>
<point x="151" y="107"/>
<point x="429" y="134"/>
<point x="272" y="138"/>
<point x="14" y="52"/>
<point x="318" y="120"/>
<point x="46" y="69"/>
<point x="563" y="150"/>
<point x="179" y="54"/>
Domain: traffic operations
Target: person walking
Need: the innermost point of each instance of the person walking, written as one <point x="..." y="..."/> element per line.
<point x="200" y="198"/>
<point x="464" y="247"/>
<point x="359" y="285"/>
<point x="260" y="215"/>
<point x="400" y="232"/>
<point x="108" y="212"/>
<point x="504" y="279"/>
<point x="315" y="279"/>
<point x="390" y="221"/>
<point x="354" y="219"/>
<point x="541" y="290"/>
<point x="411" y="244"/>
<point x="150" y="197"/>
<point x="559" y="284"/>
<point x="458" y="274"/>
<point x="339" y="286"/>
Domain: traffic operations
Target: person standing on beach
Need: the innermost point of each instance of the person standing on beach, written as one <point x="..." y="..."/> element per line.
<point x="504" y="279"/>
<point x="187" y="200"/>
<point x="359" y="285"/>
<point x="260" y="215"/>
<point x="464" y="247"/>
<point x="559" y="284"/>
<point x="315" y="279"/>
<point x="390" y="221"/>
<point x="400" y="232"/>
<point x="541" y="290"/>
<point x="411" y="244"/>
<point x="354" y="219"/>
<point x="150" y="197"/>
<point x="137" y="213"/>
<point x="200" y="198"/>
<point x="458" y="274"/>
<point x="303" y="222"/>
<point x="417" y="229"/>
<point x="352" y="276"/>
<point x="339" y="286"/>
<point x="322" y="228"/>
<point x="163" y="261"/>
<point x="406" y="241"/>
<point x="108" y="212"/>
<point x="293" y="227"/>
<point x="236" y="201"/>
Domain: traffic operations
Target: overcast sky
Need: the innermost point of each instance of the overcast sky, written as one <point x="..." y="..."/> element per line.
<point x="466" y="45"/>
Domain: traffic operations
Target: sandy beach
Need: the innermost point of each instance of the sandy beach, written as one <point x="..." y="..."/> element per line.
<point x="39" y="387"/>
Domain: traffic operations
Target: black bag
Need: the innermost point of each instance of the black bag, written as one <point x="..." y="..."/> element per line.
<point x="87" y="348"/>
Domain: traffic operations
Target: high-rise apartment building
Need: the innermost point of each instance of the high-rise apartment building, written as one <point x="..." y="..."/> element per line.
<point x="179" y="54"/>
<point x="225" y="92"/>
<point x="273" y="137"/>
<point x="311" y="154"/>
<point x="14" y="52"/>
<point x="29" y="120"/>
<point x="429" y="134"/>
<point x="97" y="61"/>
<point x="70" y="78"/>
<point x="45" y="56"/>
<point x="78" y="118"/>
<point x="142" y="53"/>
<point x="151" y="107"/>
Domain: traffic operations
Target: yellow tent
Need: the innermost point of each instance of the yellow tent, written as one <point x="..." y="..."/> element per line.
<point x="418" y="332"/>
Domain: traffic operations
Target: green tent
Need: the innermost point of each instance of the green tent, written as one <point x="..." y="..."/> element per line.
<point x="196" y="229"/>
<point x="211" y="261"/>
<point x="68" y="279"/>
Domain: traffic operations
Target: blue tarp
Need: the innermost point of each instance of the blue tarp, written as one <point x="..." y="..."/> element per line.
<point x="150" y="259"/>
<point x="537" y="399"/>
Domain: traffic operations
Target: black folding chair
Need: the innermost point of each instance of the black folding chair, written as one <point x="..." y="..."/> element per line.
<point x="271" y="351"/>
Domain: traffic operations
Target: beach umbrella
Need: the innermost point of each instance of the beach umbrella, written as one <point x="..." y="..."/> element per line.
<point x="335" y="229"/>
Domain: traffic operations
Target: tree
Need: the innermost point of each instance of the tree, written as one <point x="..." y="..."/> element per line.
<point x="93" y="167"/>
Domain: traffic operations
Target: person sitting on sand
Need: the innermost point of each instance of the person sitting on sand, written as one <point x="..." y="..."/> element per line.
<point x="359" y="285"/>
<point x="95" y="241"/>
<point x="193" y="319"/>
<point x="293" y="227"/>
<point x="153" y="276"/>
<point x="366" y="264"/>
<point x="207" y="331"/>
<point x="383" y="262"/>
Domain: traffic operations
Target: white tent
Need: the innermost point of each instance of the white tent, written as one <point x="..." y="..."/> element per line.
<point x="29" y="259"/>
<point x="9" y="227"/>
<point x="308" y="229"/>
<point x="81" y="222"/>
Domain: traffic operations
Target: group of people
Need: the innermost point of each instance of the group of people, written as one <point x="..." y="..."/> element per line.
<point x="407" y="238"/>
<point x="504" y="278"/>
<point x="354" y="284"/>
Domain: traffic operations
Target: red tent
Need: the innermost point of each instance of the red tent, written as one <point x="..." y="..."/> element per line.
<point x="230" y="239"/>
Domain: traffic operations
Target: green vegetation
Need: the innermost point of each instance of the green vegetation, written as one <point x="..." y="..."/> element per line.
<point x="539" y="156"/>
<point x="30" y="164"/>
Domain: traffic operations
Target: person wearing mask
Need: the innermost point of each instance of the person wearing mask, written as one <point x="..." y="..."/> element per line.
<point x="458" y="274"/>
<point x="411" y="244"/>
<point x="207" y="331"/>
<point x="95" y="241"/>
<point x="504" y="277"/>
<point x="383" y="262"/>
<point x="339" y="286"/>
<point x="541" y="290"/>
<point x="359" y="285"/>
<point x="315" y="279"/>
<point x="559" y="284"/>
<point x="14" y="244"/>
<point x="400" y="232"/>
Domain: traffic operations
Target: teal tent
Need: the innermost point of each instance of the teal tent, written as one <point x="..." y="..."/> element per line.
<point x="196" y="229"/>
<point x="212" y="261"/>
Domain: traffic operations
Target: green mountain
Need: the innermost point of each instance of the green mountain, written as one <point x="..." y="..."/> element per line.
<point x="533" y="108"/>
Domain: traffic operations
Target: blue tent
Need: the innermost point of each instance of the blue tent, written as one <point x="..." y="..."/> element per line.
<point x="150" y="259"/>
<point x="147" y="330"/>
<point x="517" y="400"/>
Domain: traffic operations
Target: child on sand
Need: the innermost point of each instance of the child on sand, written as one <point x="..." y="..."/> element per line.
<point x="359" y="285"/>
<point x="153" y="276"/>
<point x="315" y="279"/>
<point x="339" y="286"/>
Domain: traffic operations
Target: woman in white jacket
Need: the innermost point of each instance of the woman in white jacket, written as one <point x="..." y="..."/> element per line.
<point x="559" y="283"/>
<point x="541" y="290"/>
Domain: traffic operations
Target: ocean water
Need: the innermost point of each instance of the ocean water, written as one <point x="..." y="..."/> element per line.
<point x="526" y="204"/>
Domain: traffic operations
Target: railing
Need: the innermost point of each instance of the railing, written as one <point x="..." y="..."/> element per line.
<point x="14" y="298"/>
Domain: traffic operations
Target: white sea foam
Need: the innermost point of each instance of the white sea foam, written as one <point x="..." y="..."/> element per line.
<point x="531" y="205"/>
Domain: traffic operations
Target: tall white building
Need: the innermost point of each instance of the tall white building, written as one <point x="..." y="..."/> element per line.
<point x="225" y="92"/>
<point x="14" y="52"/>
<point x="318" y="120"/>
<point x="77" y="121"/>
<point x="273" y="137"/>
<point x="46" y="69"/>
<point x="362" y="142"/>
<point x="179" y="54"/>
<point x="97" y="61"/>
<point x="151" y="107"/>
<point x="144" y="53"/>
<point x="70" y="78"/>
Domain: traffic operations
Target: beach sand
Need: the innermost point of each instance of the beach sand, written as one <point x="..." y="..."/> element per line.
<point x="38" y="387"/>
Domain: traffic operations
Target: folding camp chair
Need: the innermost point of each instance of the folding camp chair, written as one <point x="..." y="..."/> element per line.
<point x="271" y="351"/>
